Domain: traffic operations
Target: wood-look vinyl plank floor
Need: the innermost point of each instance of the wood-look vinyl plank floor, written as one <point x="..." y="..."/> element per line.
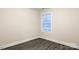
<point x="40" y="44"/>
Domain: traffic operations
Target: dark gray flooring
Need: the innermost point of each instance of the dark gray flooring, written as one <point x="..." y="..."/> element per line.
<point x="40" y="44"/>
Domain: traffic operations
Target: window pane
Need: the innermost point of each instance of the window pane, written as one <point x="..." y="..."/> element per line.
<point x="46" y="22"/>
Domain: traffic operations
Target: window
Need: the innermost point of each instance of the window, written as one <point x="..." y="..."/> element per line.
<point x="46" y="22"/>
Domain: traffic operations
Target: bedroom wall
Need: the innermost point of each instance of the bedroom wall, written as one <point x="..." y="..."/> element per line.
<point x="65" y="25"/>
<point x="18" y="24"/>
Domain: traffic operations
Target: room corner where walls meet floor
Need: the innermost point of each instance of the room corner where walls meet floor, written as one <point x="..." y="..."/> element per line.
<point x="40" y="44"/>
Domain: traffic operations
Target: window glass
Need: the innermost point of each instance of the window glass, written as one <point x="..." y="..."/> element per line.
<point x="46" y="22"/>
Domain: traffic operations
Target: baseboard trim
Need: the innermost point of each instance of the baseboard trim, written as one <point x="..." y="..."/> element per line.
<point x="61" y="42"/>
<point x="28" y="39"/>
<point x="17" y="42"/>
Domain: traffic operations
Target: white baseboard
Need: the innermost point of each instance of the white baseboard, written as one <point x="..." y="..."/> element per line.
<point x="61" y="42"/>
<point x="17" y="42"/>
<point x="28" y="39"/>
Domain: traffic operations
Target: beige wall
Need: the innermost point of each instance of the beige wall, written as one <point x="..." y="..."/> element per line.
<point x="21" y="24"/>
<point x="18" y="24"/>
<point x="65" y="25"/>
